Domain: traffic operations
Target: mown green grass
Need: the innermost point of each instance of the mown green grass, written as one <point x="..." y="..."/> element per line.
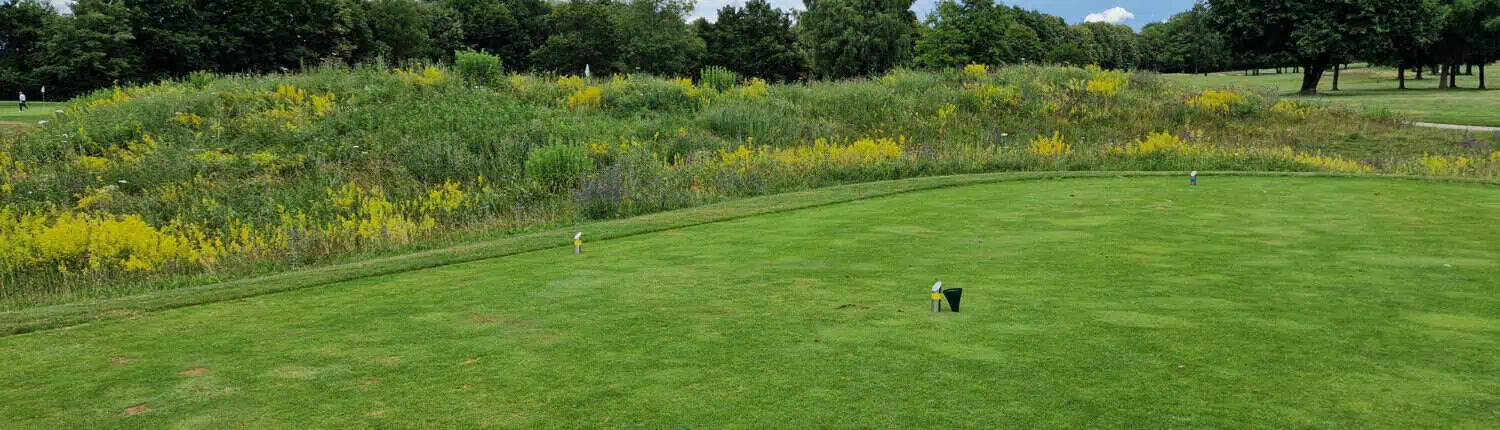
<point x="12" y="115"/>
<point x="1136" y="303"/>
<point x="1376" y="88"/>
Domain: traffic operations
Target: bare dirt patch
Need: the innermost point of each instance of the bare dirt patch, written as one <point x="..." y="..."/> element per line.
<point x="196" y="371"/>
<point x="376" y="413"/>
<point x="471" y="361"/>
<point x="135" y="410"/>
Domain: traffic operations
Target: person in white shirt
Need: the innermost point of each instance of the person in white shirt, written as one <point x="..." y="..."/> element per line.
<point x="23" y="100"/>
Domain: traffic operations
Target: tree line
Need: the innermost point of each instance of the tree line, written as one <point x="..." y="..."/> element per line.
<point x="108" y="42"/>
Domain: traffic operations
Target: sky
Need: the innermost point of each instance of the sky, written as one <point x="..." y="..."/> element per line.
<point x="1135" y="13"/>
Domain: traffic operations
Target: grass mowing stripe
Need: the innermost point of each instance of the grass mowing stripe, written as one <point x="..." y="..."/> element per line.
<point x="1268" y="302"/>
<point x="51" y="317"/>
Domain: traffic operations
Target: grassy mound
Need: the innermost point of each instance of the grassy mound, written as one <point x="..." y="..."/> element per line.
<point x="216" y="178"/>
<point x="1376" y="88"/>
<point x="1136" y="303"/>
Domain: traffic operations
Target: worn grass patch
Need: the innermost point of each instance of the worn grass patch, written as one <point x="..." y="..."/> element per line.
<point x="1241" y="303"/>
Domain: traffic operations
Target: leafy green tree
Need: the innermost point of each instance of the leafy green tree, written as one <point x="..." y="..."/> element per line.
<point x="655" y="38"/>
<point x="1051" y="30"/>
<point x="1077" y="48"/>
<point x="978" y="31"/>
<point x="582" y="34"/>
<point x="408" y="29"/>
<point x="755" y="40"/>
<point x="93" y="49"/>
<point x="22" y="33"/>
<point x="1188" y="42"/>
<point x="846" y="38"/>
<point x="511" y="29"/>
<point x="1113" y="46"/>
<point x="1315" y="33"/>
<point x="1022" y="45"/>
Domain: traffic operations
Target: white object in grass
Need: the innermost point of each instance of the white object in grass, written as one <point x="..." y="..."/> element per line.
<point x="938" y="287"/>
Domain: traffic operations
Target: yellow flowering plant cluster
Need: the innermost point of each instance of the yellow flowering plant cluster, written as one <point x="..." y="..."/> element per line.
<point x="429" y="76"/>
<point x="755" y="89"/>
<point x="1216" y="101"/>
<point x="687" y="87"/>
<point x="89" y="243"/>
<point x="1107" y="83"/>
<point x="1331" y="164"/>
<point x="521" y="83"/>
<point x="1157" y="143"/>
<point x="976" y="70"/>
<point x="822" y="153"/>
<point x="11" y="170"/>
<point x="114" y="97"/>
<point x="1295" y="110"/>
<point x="1050" y="146"/>
<point x="1446" y="165"/>
<point x="571" y="83"/>
<point x="590" y="98"/>
<point x="991" y="97"/>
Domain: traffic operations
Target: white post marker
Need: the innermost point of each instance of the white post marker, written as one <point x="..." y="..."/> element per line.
<point x="1193" y="178"/>
<point x="937" y="297"/>
<point x="578" y="243"/>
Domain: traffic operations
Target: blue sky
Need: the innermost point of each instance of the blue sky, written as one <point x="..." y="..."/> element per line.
<point x="1140" y="12"/>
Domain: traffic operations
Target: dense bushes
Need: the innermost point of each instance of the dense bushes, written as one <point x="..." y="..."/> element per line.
<point x="220" y="177"/>
<point x="479" y="68"/>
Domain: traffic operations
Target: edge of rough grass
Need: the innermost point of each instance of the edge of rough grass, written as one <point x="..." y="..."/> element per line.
<point x="71" y="314"/>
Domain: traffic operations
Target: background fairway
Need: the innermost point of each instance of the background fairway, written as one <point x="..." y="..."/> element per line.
<point x="1364" y="87"/>
<point x="12" y="116"/>
<point x="1138" y="303"/>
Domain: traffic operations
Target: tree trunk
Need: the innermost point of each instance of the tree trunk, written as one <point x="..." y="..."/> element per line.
<point x="1435" y="69"/>
<point x="1469" y="71"/>
<point x="1335" y="77"/>
<point x="1420" y="69"/>
<point x="1453" y="77"/>
<point x="1443" y="77"/>
<point x="1312" y="74"/>
<point x="1481" y="77"/>
<point x="1401" y="76"/>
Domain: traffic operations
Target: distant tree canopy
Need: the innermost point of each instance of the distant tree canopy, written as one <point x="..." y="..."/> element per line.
<point x="105" y="42"/>
<point x="756" y="40"/>
<point x="846" y="38"/>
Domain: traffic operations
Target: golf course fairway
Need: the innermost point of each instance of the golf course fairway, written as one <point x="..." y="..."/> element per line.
<point x="1244" y="302"/>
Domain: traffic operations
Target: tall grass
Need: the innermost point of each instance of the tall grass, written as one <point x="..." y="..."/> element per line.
<point x="220" y="177"/>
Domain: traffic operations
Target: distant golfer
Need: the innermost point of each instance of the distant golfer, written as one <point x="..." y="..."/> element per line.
<point x="23" y="100"/>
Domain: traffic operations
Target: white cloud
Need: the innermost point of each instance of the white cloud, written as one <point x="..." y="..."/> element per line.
<point x="1115" y="15"/>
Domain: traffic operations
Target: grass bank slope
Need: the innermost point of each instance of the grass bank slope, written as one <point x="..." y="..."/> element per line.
<point x="1130" y="303"/>
<point x="212" y="179"/>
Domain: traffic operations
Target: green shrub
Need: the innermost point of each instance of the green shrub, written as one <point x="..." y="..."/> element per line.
<point x="201" y="79"/>
<point x="719" y="78"/>
<point x="480" y="68"/>
<point x="558" y="166"/>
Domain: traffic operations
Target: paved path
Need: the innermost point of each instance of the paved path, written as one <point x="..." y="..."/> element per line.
<point x="1470" y="128"/>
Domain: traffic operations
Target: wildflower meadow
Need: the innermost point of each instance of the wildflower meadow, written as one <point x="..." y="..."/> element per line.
<point x="218" y="177"/>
